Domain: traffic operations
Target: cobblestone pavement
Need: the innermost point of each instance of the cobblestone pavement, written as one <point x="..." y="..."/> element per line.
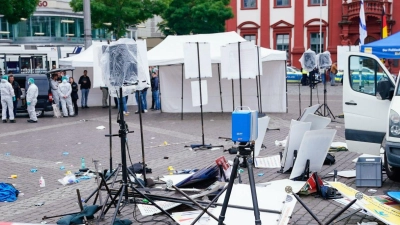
<point x="42" y="145"/>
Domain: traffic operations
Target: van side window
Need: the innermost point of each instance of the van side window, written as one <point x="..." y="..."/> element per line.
<point x="365" y="74"/>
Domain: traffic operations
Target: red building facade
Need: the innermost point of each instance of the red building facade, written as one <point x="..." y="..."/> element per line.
<point x="293" y="25"/>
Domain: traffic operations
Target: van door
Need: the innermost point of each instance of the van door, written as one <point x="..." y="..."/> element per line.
<point x="365" y="115"/>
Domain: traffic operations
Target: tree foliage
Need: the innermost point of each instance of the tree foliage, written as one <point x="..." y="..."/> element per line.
<point x="195" y="16"/>
<point x="14" y="10"/>
<point x="120" y="13"/>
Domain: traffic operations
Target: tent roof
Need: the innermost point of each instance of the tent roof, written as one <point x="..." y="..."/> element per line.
<point x="170" y="50"/>
<point x="388" y="48"/>
<point x="83" y="59"/>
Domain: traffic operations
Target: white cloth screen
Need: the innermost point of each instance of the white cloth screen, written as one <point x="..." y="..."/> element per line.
<point x="191" y="60"/>
<point x="196" y="93"/>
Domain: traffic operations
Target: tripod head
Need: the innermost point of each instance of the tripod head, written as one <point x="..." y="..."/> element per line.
<point x="245" y="148"/>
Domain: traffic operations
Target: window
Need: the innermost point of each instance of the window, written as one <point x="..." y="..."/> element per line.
<point x="249" y="4"/>
<point x="282" y="3"/>
<point x="251" y="38"/>
<point x="366" y="74"/>
<point x="317" y="2"/>
<point x="315" y="42"/>
<point x="282" y="42"/>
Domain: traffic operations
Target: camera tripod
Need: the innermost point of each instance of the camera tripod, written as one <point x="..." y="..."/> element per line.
<point x="244" y="151"/>
<point x="122" y="193"/>
<point x="327" y="110"/>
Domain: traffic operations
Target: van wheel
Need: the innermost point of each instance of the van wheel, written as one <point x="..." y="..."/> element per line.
<point x="39" y="113"/>
<point x="392" y="172"/>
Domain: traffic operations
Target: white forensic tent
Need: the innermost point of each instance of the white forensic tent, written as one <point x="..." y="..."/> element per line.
<point x="176" y="91"/>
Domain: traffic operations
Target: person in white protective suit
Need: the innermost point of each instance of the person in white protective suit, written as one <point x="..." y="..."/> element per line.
<point x="64" y="91"/>
<point x="54" y="89"/>
<point x="31" y="100"/>
<point x="7" y="98"/>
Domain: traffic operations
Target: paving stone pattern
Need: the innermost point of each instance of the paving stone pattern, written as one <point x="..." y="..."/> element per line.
<point x="41" y="146"/>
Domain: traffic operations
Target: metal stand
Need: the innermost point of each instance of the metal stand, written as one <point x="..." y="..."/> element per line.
<point x="327" y="110"/>
<point x="244" y="153"/>
<point x="123" y="193"/>
<point x="202" y="145"/>
<point x="141" y="135"/>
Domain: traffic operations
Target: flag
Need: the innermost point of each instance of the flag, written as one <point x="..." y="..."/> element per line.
<point x="363" y="25"/>
<point x="384" y="24"/>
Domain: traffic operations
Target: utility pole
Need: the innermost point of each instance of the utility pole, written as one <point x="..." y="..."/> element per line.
<point x="87" y="22"/>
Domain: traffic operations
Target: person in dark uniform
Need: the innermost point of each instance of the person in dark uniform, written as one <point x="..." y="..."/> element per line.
<point x="74" y="94"/>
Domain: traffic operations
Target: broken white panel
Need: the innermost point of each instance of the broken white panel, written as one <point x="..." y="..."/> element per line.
<point x="267" y="199"/>
<point x="314" y="147"/>
<point x="309" y="110"/>
<point x="262" y="129"/>
<point x="195" y="54"/>
<point x="196" y="93"/>
<point x="317" y="122"/>
<point x="175" y="178"/>
<point x="187" y="217"/>
<point x="280" y="185"/>
<point x="296" y="133"/>
<point x="268" y="162"/>
<point x="345" y="173"/>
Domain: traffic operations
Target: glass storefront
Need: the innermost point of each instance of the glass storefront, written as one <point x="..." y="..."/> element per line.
<point x="48" y="29"/>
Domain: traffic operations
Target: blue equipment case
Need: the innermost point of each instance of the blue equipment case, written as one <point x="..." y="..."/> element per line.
<point x="244" y="125"/>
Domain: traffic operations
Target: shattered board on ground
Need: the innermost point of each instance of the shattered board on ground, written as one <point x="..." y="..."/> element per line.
<point x="267" y="199"/>
<point x="375" y="208"/>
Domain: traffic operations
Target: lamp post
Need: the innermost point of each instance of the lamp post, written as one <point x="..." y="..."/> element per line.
<point x="87" y="22"/>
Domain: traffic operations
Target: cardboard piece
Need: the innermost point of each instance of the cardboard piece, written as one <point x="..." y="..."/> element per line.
<point x="186" y="218"/>
<point x="196" y="93"/>
<point x="191" y="60"/>
<point x="314" y="147"/>
<point x="308" y="110"/>
<point x="345" y="173"/>
<point x="241" y="196"/>
<point x="317" y="122"/>
<point x="268" y="162"/>
<point x="296" y="133"/>
<point x="262" y="129"/>
<point x="375" y="208"/>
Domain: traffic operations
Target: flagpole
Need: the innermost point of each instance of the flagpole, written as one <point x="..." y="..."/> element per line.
<point x="320" y="26"/>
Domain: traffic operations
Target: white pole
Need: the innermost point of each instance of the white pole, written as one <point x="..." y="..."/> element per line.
<point x="87" y="22"/>
<point x="320" y="26"/>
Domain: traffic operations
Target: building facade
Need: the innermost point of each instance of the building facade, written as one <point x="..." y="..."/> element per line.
<point x="294" y="25"/>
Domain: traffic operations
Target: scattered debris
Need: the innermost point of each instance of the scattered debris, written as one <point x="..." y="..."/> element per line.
<point x="166" y="157"/>
<point x="345" y="173"/>
<point x="68" y="179"/>
<point x="62" y="168"/>
<point x="152" y="138"/>
<point x="372" y="191"/>
<point x="165" y="143"/>
<point x="58" y="162"/>
<point x="13" y="176"/>
<point x="39" y="204"/>
<point x="33" y="170"/>
<point x="260" y="174"/>
<point x="7" y="154"/>
<point x="268" y="162"/>
<point x="83" y="120"/>
<point x="100" y="127"/>
<point x="79" y="143"/>
<point x="367" y="223"/>
<point x="65" y="153"/>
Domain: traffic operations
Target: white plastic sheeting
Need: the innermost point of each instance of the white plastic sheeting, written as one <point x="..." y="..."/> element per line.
<point x="273" y="90"/>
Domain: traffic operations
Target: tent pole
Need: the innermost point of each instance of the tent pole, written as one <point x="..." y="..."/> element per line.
<point x="240" y="76"/>
<point x="182" y="96"/>
<point x="287" y="108"/>
<point x="259" y="84"/>
<point x="201" y="97"/>
<point x="220" y="90"/>
<point x="233" y="97"/>
<point x="258" y="63"/>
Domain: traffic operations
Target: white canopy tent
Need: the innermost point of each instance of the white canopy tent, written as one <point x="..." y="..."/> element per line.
<point x="176" y="91"/>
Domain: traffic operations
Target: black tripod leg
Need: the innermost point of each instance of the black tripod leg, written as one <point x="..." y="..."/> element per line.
<point x="122" y="190"/>
<point x="228" y="191"/>
<point x="113" y="199"/>
<point x="152" y="202"/>
<point x="208" y="206"/>
<point x="253" y="191"/>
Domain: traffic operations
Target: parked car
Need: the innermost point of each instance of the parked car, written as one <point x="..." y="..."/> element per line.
<point x="293" y="75"/>
<point x="44" y="99"/>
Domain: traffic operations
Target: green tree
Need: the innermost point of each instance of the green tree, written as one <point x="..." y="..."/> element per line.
<point x="14" y="10"/>
<point x="119" y="14"/>
<point x="195" y="16"/>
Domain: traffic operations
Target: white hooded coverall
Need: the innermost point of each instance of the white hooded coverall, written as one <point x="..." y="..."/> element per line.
<point x="54" y="91"/>
<point x="64" y="91"/>
<point x="7" y="93"/>
<point x="31" y="96"/>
